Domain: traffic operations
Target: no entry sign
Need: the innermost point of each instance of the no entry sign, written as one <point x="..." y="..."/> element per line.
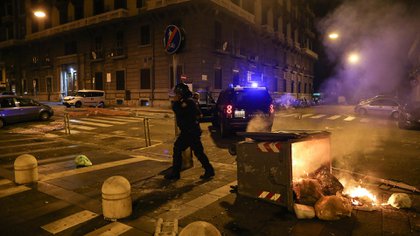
<point x="172" y="39"/>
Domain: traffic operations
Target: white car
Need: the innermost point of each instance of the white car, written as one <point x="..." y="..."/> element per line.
<point x="95" y="98"/>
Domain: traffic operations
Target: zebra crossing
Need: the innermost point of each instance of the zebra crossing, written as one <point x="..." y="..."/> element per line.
<point x="63" y="217"/>
<point x="330" y="117"/>
<point x="92" y="123"/>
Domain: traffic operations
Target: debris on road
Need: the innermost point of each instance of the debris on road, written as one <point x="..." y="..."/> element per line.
<point x="400" y="200"/>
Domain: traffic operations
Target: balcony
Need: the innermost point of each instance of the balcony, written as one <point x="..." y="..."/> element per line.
<point x="97" y="55"/>
<point x="104" y="17"/>
<point x="9" y="43"/>
<point x="153" y="4"/>
<point x="310" y="53"/>
<point x="235" y="9"/>
<point x="117" y="53"/>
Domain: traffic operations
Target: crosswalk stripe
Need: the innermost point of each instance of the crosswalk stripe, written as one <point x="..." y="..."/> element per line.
<point x="28" y="144"/>
<point x="89" y="123"/>
<point x="129" y="118"/>
<point x="115" y="228"/>
<point x="72" y="131"/>
<point x="13" y="190"/>
<point x="288" y="115"/>
<point x="103" y="121"/>
<point x="82" y="127"/>
<point x="101" y="166"/>
<point x="51" y="149"/>
<point x="364" y="120"/>
<point x="334" y="117"/>
<point x="119" y="119"/>
<point x="69" y="221"/>
<point x="307" y="115"/>
<point x="350" y="118"/>
<point x="317" y="116"/>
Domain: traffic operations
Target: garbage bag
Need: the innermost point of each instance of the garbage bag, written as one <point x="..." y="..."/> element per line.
<point x="82" y="161"/>
<point x="333" y="207"/>
<point x="307" y="191"/>
<point x="400" y="200"/>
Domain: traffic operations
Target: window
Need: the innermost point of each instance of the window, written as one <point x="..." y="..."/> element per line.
<point x="120" y="80"/>
<point x="284" y="85"/>
<point x="141" y="3"/>
<point x="304" y="88"/>
<point x="145" y="35"/>
<point x="292" y="87"/>
<point x="78" y="9"/>
<point x="7" y="102"/>
<point x="99" y="83"/>
<point x="120" y="4"/>
<point x="218" y="78"/>
<point x="145" y="78"/>
<point x="120" y="39"/>
<point x="70" y="48"/>
<point x="299" y="86"/>
<point x="275" y="84"/>
<point x="98" y="7"/>
<point x="26" y="102"/>
<point x="218" y="35"/>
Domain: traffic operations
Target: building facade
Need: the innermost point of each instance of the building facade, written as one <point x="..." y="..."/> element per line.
<point x="118" y="46"/>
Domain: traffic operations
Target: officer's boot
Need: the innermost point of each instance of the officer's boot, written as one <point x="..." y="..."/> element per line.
<point x="209" y="172"/>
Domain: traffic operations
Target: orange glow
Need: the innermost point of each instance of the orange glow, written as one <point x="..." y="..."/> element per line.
<point x="358" y="193"/>
<point x="39" y="14"/>
<point x="308" y="156"/>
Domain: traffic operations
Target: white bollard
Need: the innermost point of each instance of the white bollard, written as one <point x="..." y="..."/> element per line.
<point x="26" y="169"/>
<point x="116" y="198"/>
<point x="200" y="228"/>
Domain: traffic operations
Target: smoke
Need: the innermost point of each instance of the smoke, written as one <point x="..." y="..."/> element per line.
<point x="379" y="33"/>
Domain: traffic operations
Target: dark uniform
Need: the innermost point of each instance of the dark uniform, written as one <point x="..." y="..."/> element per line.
<point x="187" y="114"/>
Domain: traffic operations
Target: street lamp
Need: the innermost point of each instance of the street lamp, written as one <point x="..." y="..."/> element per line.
<point x="353" y="58"/>
<point x="39" y="13"/>
<point x="333" y="36"/>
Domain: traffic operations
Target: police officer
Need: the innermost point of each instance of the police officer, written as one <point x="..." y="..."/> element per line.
<point x="187" y="114"/>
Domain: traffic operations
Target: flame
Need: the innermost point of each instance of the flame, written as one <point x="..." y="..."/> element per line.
<point x="357" y="193"/>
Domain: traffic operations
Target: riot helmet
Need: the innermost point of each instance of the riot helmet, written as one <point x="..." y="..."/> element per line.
<point x="183" y="90"/>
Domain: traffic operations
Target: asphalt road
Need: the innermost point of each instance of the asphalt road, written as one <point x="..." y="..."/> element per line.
<point x="116" y="145"/>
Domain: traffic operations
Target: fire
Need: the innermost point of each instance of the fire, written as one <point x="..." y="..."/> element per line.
<point x="360" y="195"/>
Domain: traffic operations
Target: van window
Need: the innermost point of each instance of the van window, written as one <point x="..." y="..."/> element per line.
<point x="97" y="94"/>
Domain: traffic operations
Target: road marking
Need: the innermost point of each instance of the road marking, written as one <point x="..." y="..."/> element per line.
<point x="317" y="116"/>
<point x="82" y="127"/>
<point x="334" y="117"/>
<point x="198" y="203"/>
<point x="364" y="120"/>
<point x="307" y="115"/>
<point x="89" y="123"/>
<point x="69" y="221"/>
<point x="103" y="121"/>
<point x="13" y="140"/>
<point x="51" y="149"/>
<point x="106" y="165"/>
<point x="350" y="118"/>
<point x="288" y="115"/>
<point x="115" y="228"/>
<point x="130" y="118"/>
<point x="12" y="190"/>
<point x="120" y="119"/>
<point x="4" y="181"/>
<point x="72" y="131"/>
<point x="26" y="144"/>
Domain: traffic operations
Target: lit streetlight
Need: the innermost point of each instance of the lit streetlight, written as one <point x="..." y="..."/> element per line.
<point x="39" y="14"/>
<point x="353" y="58"/>
<point x="333" y="36"/>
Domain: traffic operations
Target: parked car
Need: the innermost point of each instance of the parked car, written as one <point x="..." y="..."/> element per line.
<point x="95" y="98"/>
<point x="379" y="96"/>
<point x="206" y="104"/>
<point x="236" y="106"/>
<point x="7" y="93"/>
<point x="409" y="116"/>
<point x="385" y="107"/>
<point x="15" y="109"/>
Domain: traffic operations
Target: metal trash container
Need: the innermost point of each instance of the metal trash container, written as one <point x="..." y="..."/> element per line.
<point x="268" y="162"/>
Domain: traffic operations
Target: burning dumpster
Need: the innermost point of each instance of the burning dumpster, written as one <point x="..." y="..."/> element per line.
<point x="269" y="163"/>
